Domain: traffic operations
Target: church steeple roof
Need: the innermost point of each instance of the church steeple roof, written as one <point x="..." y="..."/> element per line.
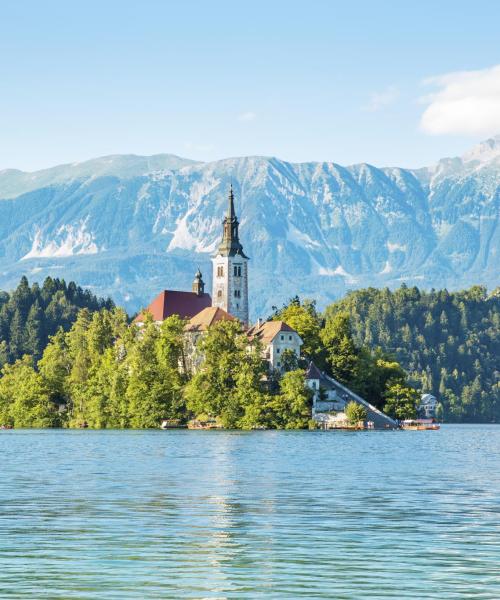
<point x="230" y="244"/>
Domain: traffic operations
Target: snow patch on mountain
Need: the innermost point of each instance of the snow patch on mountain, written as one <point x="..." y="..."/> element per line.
<point x="393" y="247"/>
<point x="185" y="239"/>
<point x="70" y="240"/>
<point x="301" y="239"/>
<point x="338" y="271"/>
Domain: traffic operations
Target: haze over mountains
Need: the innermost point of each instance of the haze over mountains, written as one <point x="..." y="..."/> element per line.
<point x="130" y="226"/>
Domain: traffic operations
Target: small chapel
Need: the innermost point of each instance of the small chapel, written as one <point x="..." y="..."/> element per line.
<point x="229" y="299"/>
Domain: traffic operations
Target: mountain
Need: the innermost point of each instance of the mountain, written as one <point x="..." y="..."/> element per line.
<point x="129" y="226"/>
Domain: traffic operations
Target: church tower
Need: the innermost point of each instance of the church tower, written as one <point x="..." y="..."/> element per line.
<point x="230" y="269"/>
<point x="198" y="286"/>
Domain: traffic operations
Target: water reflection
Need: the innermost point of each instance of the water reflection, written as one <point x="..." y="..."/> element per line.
<point x="87" y="514"/>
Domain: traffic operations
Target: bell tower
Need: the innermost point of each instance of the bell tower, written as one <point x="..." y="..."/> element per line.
<point x="230" y="268"/>
<point x="198" y="286"/>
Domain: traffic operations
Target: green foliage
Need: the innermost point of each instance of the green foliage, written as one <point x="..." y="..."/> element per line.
<point x="400" y="401"/>
<point x="355" y="413"/>
<point x="228" y="383"/>
<point x="292" y="406"/>
<point x="303" y="317"/>
<point x="24" y="397"/>
<point x="30" y="315"/>
<point x="448" y="342"/>
<point x="342" y="355"/>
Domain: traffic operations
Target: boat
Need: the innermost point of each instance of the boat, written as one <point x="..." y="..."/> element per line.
<point x="6" y="426"/>
<point x="420" y="425"/>
<point x="205" y="424"/>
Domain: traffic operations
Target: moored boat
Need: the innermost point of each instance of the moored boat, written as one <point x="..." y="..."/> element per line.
<point x="205" y="424"/>
<point x="420" y="425"/>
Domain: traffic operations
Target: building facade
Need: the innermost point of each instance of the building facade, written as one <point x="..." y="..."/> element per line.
<point x="276" y="338"/>
<point x="427" y="406"/>
<point x="230" y="269"/>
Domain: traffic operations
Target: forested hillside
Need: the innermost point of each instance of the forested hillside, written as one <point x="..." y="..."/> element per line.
<point x="31" y="314"/>
<point x="449" y="342"/>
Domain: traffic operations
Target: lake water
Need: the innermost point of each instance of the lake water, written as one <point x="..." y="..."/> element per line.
<point x="193" y="514"/>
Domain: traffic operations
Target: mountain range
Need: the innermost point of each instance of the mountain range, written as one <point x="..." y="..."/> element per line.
<point x="130" y="226"/>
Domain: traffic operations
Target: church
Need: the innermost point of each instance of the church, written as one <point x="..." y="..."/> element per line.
<point x="230" y="281"/>
<point x="229" y="299"/>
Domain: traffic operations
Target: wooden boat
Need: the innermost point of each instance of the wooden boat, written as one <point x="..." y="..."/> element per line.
<point x="208" y="424"/>
<point x="420" y="425"/>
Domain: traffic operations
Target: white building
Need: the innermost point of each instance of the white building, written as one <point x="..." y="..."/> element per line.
<point x="230" y="269"/>
<point x="427" y="407"/>
<point x="276" y="337"/>
<point x="327" y="398"/>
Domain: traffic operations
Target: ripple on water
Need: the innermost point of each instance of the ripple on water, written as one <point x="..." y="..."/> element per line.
<point x="134" y="514"/>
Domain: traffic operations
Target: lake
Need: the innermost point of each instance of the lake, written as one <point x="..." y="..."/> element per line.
<point x="211" y="514"/>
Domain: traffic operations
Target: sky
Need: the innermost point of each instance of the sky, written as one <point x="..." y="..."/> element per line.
<point x="385" y="82"/>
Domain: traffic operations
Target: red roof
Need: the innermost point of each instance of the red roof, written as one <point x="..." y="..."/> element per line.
<point x="207" y="317"/>
<point x="268" y="330"/>
<point x="172" y="302"/>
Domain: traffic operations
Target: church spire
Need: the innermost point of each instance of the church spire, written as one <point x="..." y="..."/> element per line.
<point x="231" y="214"/>
<point x="230" y="245"/>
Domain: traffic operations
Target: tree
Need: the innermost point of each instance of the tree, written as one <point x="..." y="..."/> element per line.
<point x="355" y="413"/>
<point x="401" y="401"/>
<point x="289" y="360"/>
<point x="24" y="398"/>
<point x="304" y="318"/>
<point x="228" y="379"/>
<point x="342" y="355"/>
<point x="291" y="408"/>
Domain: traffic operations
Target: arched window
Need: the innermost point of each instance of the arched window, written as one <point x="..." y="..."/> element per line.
<point x="220" y="271"/>
<point x="219" y="294"/>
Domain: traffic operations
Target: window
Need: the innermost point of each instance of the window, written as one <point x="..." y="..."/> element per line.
<point x="220" y="271"/>
<point x="282" y="337"/>
<point x="277" y="350"/>
<point x="219" y="294"/>
<point x="237" y="293"/>
<point x="279" y="364"/>
<point x="290" y="337"/>
<point x="237" y="270"/>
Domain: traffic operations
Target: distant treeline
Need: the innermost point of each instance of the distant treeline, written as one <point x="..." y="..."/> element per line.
<point x="448" y="342"/>
<point x="31" y="314"/>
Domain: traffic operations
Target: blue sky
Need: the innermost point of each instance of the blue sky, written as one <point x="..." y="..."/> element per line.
<point x="385" y="82"/>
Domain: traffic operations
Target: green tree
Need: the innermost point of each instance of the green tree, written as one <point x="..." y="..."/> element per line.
<point x="401" y="401"/>
<point x="24" y="398"/>
<point x="355" y="412"/>
<point x="342" y="355"/>
<point x="228" y="379"/>
<point x="303" y="317"/>
<point x="291" y="408"/>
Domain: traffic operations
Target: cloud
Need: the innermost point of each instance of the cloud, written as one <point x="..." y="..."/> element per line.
<point x="467" y="102"/>
<point x="247" y="116"/>
<point x="379" y="100"/>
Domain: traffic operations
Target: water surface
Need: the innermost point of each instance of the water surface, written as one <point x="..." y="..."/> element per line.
<point x="194" y="514"/>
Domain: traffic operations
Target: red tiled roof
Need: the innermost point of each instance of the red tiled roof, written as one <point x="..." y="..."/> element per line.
<point x="172" y="302"/>
<point x="207" y="317"/>
<point x="267" y="331"/>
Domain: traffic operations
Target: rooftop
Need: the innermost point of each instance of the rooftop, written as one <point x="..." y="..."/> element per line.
<point x="207" y="317"/>
<point x="173" y="302"/>
<point x="267" y="331"/>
